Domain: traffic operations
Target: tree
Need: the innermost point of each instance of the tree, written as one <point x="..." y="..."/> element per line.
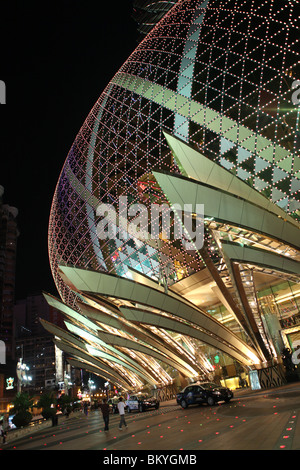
<point x="65" y="403"/>
<point x="47" y="402"/>
<point x="21" y="405"/>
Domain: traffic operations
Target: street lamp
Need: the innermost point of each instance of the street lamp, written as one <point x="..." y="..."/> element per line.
<point x="107" y="387"/>
<point x="91" y="385"/>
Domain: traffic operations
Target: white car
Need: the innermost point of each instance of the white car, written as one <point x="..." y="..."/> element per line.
<point x="141" y="403"/>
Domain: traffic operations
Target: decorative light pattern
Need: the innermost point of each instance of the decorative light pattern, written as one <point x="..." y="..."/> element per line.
<point x="238" y="60"/>
<point x="217" y="74"/>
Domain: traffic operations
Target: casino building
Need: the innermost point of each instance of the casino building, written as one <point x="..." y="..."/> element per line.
<point x="202" y="112"/>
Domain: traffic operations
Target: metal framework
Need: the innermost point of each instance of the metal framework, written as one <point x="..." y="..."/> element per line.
<point x="200" y="112"/>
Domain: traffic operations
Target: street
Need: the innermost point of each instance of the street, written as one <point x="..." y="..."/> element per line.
<point x="264" y="420"/>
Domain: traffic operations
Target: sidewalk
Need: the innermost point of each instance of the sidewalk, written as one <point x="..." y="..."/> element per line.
<point x="242" y="392"/>
<point x="37" y="424"/>
<point x="166" y="405"/>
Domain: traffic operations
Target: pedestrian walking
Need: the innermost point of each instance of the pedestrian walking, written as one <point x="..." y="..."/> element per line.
<point x="121" y="408"/>
<point x="3" y="432"/>
<point x="85" y="408"/>
<point x="105" y="408"/>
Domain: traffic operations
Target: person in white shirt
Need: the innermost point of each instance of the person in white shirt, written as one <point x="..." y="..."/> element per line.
<point x="121" y="408"/>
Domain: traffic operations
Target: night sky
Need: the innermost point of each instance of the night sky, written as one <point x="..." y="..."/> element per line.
<point x="56" y="59"/>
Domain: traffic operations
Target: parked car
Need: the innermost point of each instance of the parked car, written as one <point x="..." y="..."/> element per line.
<point x="208" y="392"/>
<point x="141" y="403"/>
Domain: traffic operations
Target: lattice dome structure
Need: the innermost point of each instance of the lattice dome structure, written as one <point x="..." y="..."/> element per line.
<point x="217" y="74"/>
<point x="203" y="108"/>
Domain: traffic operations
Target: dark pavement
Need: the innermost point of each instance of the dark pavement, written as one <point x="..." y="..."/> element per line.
<point x="253" y="420"/>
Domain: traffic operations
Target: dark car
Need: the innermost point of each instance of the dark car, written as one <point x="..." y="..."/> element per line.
<point x="208" y="392"/>
<point x="141" y="403"/>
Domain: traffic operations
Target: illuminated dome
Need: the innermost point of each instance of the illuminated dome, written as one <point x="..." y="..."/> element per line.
<point x="237" y="60"/>
<point x="212" y="80"/>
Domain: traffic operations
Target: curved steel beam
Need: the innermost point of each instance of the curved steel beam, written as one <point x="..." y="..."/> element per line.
<point x="69" y="312"/>
<point x="60" y="333"/>
<point x="86" y="357"/>
<point x="95" y="370"/>
<point x="227" y="208"/>
<point x="72" y="340"/>
<point x="119" y="341"/>
<point x="121" y="288"/>
<point x="142" y="334"/>
<point x="195" y="165"/>
<point x="114" y="356"/>
<point x="78" y="349"/>
<point x="251" y="255"/>
<point x="161" y="321"/>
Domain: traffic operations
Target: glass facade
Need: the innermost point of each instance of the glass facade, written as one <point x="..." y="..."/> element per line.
<point x="282" y="300"/>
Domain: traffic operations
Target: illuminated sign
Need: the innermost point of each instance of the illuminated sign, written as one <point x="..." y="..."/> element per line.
<point x="10" y="383"/>
<point x="217" y="359"/>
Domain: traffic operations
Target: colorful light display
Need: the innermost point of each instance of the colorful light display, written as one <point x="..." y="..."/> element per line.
<point x="217" y="76"/>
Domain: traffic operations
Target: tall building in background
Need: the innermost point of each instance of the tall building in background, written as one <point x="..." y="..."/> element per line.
<point x="8" y="248"/>
<point x="200" y="113"/>
<point x="27" y="314"/>
<point x="34" y="345"/>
